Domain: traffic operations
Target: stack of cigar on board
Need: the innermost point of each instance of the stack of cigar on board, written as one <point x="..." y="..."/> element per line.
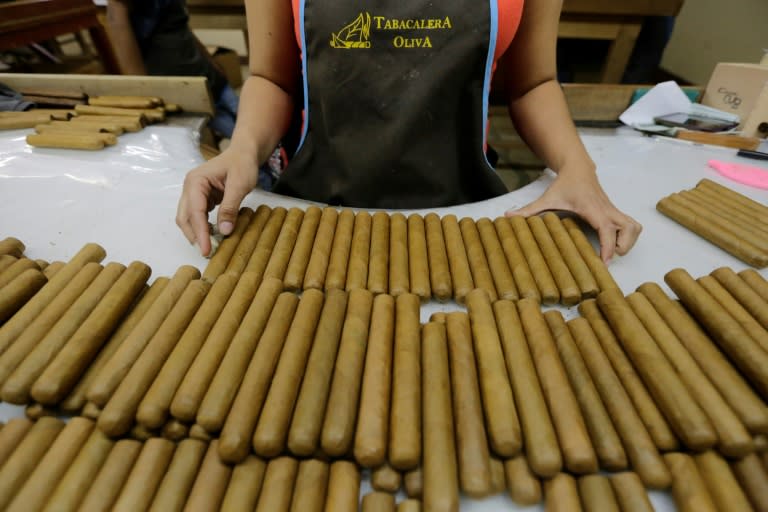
<point x="228" y="390"/>
<point x="72" y="120"/>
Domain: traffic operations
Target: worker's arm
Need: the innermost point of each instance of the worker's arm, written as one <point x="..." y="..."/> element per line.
<point x="123" y="39"/>
<point x="266" y="105"/>
<point x="538" y="109"/>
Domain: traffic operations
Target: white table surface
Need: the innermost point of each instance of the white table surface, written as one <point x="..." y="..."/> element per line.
<point x="125" y="197"/>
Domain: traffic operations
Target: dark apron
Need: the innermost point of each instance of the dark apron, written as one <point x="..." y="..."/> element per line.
<point x="395" y="104"/>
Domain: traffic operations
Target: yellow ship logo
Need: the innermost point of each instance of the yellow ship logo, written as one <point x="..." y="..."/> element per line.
<point x="354" y="35"/>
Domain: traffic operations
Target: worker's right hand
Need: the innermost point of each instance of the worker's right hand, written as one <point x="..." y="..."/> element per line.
<point x="224" y="180"/>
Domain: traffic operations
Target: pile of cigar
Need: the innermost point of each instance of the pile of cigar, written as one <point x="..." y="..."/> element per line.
<point x="545" y="258"/>
<point x="89" y="123"/>
<point x="663" y="393"/>
<point x="731" y="221"/>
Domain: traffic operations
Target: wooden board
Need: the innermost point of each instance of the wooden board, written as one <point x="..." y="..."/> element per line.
<point x="191" y="93"/>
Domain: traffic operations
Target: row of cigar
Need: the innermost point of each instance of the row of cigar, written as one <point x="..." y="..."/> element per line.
<point x="731" y="221"/>
<point x="544" y="258"/>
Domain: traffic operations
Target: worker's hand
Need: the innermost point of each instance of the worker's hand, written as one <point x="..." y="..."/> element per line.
<point x="226" y="179"/>
<point x="581" y="193"/>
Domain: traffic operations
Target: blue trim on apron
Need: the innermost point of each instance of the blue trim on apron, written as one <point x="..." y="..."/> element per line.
<point x="493" y="34"/>
<point x="305" y="77"/>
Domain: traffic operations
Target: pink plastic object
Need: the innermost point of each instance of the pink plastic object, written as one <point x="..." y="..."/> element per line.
<point x="746" y="174"/>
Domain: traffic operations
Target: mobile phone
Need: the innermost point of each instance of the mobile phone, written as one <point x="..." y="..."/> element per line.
<point x="694" y="122"/>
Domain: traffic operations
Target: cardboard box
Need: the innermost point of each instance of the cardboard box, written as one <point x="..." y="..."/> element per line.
<point x="736" y="88"/>
<point x="756" y="124"/>
<point x="229" y="61"/>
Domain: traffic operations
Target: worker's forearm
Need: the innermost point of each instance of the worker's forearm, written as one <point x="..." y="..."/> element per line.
<point x="263" y="118"/>
<point x="543" y="120"/>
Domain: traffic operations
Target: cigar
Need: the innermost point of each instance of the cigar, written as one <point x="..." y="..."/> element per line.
<point x="10" y="246"/>
<point x="413" y="481"/>
<point x="524" y="487"/>
<point x="630" y="492"/>
<point x="756" y="282"/>
<point x="180" y="476"/>
<point x="257" y="262"/>
<point x="596" y="493"/>
<point x="721" y="483"/>
<point x="247" y="243"/>
<point x="16" y="293"/>
<point x="458" y="262"/>
<point x="378" y="502"/>
<point x="437" y="255"/>
<point x="570" y="294"/>
<point x="478" y="263"/>
<point x="297" y="265"/>
<point x="152" y="114"/>
<point x="732" y="212"/>
<point x="124" y="101"/>
<point x="16" y="269"/>
<point x="378" y="270"/>
<point x="11" y="435"/>
<point x="688" y="488"/>
<point x="498" y="479"/>
<point x="218" y="263"/>
<point x="244" y="485"/>
<point x="102" y="493"/>
<point x="336" y="277"/>
<point x="51" y="269"/>
<point x="399" y="274"/>
<point x="753" y="478"/>
<point x="277" y="489"/>
<point x="497" y="262"/>
<point x="174" y="430"/>
<point x="144" y="479"/>
<point x="418" y="258"/>
<point x="75" y="134"/>
<point x="343" y="487"/>
<point x="409" y="505"/>
<point x="23" y="122"/>
<point x="386" y="479"/>
<point x="101" y="126"/>
<point x="561" y="494"/>
<point x="317" y="267"/>
<point x="286" y="240"/>
<point x="357" y="273"/>
<point x="132" y="123"/>
<point x="211" y="483"/>
<point x="757" y="209"/>
<point x="573" y="259"/>
<point x="311" y="485"/>
<point x="744" y="293"/>
<point x="545" y="282"/>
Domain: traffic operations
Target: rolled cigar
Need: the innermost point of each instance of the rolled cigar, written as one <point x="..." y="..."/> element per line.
<point x="727" y="333"/>
<point x="172" y="108"/>
<point x="247" y="242"/>
<point x="11" y="246"/>
<point x="57" y="114"/>
<point x="573" y="259"/>
<point x="524" y="487"/>
<point x="41" y="264"/>
<point x="458" y="261"/>
<point x="51" y="269"/>
<point x="297" y="265"/>
<point x="317" y="266"/>
<point x="106" y="486"/>
<point x="245" y="485"/>
<point x="275" y="419"/>
<point x="92" y="126"/>
<point x="142" y="433"/>
<point x="52" y="102"/>
<point x="372" y="432"/>
<point x="16" y="269"/>
<point x="756" y="208"/>
<point x="198" y="432"/>
<point x="441" y="483"/>
<point x="478" y="263"/>
<point x="378" y="266"/>
<point x="123" y="101"/>
<point x="343" y="487"/>
<point x="570" y="293"/>
<point x="175" y="430"/>
<point x="341" y="412"/>
<point x="734" y="440"/>
<point x="91" y="411"/>
<point x="336" y="276"/>
<point x="218" y="263"/>
<point x="731" y="385"/>
<point x="80" y="475"/>
<point x="243" y="416"/>
<point x="6" y="260"/>
<point x="721" y="483"/>
<point x="668" y="390"/>
<point x="307" y="421"/>
<point x="152" y="114"/>
<point x="16" y="293"/>
<point x="277" y="489"/>
<point x="259" y="259"/>
<point x="311" y="486"/>
<point x="11" y="329"/>
<point x="542" y="275"/>
<point x="760" y="443"/>
<point x="132" y="123"/>
<point x="688" y="488"/>
<point x="606" y="441"/>
<point x="27" y="456"/>
<point x="399" y="280"/>
<point x="286" y="240"/>
<point x="88" y="132"/>
<point x="438" y="316"/>
<point x="192" y="389"/>
<point x="359" y="255"/>
<point x="712" y="231"/>
<point x="155" y="405"/>
<point x="418" y="259"/>
<point x="498" y="402"/>
<point x="437" y="254"/>
<point x="732" y="212"/>
<point x="541" y="444"/>
<point x="46" y="320"/>
<point x="749" y="299"/>
<point x="561" y="494"/>
<point x="211" y="482"/>
<point x="37" y="411"/>
<point x="23" y="122"/>
<point x="53" y="93"/>
<point x="596" y="493"/>
<point x="145" y="477"/>
<point x="649" y="412"/>
<point x="405" y="431"/>
<point x="409" y="505"/>
<point x="630" y="493"/>
<point x="578" y="452"/>
<point x="11" y="436"/>
<point x="753" y="478"/>
<point x="756" y="331"/>
<point x="378" y="502"/>
<point x="222" y="389"/>
<point x="756" y="282"/>
<point x="413" y="481"/>
<point x="471" y="440"/>
<point x="640" y="447"/>
<point x="76" y="399"/>
<point x="497" y="261"/>
<point x="117" y="367"/>
<point x="16" y="388"/>
<point x="386" y="479"/>
<point x="498" y="480"/>
<point x="118" y="415"/>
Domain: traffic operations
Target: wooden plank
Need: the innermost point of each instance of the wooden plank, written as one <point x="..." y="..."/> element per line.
<point x="190" y="92"/>
<point x="620" y="52"/>
<point x="588" y="29"/>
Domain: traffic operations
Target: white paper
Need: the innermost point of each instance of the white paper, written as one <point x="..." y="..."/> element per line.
<point x="665" y="98"/>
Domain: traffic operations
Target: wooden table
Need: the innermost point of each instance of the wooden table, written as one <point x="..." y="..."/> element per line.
<point x="23" y="22"/>
<point x="618" y="21"/>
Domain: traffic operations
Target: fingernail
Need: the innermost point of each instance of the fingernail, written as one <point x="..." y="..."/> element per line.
<point x="225" y="228"/>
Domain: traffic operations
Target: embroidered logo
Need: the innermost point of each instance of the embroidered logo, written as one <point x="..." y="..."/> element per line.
<point x="354" y="35"/>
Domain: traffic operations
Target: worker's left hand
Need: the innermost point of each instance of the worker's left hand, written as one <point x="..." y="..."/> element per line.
<point x="581" y="193"/>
